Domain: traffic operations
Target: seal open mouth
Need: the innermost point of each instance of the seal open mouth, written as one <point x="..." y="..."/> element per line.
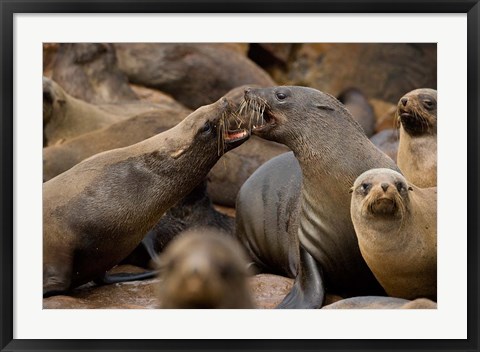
<point x="258" y="113"/>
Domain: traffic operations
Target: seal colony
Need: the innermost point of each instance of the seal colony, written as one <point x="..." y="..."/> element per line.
<point x="313" y="125"/>
<point x="96" y="213"/>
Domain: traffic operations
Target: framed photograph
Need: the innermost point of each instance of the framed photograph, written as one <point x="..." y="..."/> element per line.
<point x="420" y="44"/>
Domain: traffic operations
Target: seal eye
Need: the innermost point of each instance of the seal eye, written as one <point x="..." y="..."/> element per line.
<point x="400" y="186"/>
<point x="365" y="187"/>
<point x="207" y="128"/>
<point x="428" y="104"/>
<point x="281" y="96"/>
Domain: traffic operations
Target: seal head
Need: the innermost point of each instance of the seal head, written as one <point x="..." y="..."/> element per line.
<point x="417" y="112"/>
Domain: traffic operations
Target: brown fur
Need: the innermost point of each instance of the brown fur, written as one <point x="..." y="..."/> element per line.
<point x="65" y="117"/>
<point x="396" y="226"/>
<point x="417" y="150"/>
<point x="59" y="158"/>
<point x="332" y="151"/>
<point x="203" y="268"/>
<point x="97" y="212"/>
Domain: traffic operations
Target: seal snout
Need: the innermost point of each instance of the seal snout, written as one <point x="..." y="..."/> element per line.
<point x="384" y="186"/>
<point x="404" y="101"/>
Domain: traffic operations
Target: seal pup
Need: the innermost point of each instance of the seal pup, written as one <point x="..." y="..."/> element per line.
<point x="204" y="269"/>
<point x="417" y="149"/>
<point x="96" y="213"/>
<point x="332" y="151"/>
<point x="396" y="226"/>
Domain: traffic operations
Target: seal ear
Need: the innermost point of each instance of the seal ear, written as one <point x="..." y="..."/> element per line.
<point x="324" y="107"/>
<point x="350" y="190"/>
<point x="410" y="188"/>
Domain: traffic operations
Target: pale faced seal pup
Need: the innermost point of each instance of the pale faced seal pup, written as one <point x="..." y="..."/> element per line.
<point x="332" y="151"/>
<point x="378" y="302"/>
<point x="97" y="212"/>
<point x="360" y="109"/>
<point x="396" y="226"/>
<point x="417" y="149"/>
<point x="203" y="269"/>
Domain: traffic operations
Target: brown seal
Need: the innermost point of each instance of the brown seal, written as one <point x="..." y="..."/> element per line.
<point x="378" y="302"/>
<point x="204" y="269"/>
<point x="396" y="226"/>
<point x="194" y="210"/>
<point x="61" y="157"/>
<point x="417" y="149"/>
<point x="65" y="117"/>
<point x="97" y="212"/>
<point x="332" y="151"/>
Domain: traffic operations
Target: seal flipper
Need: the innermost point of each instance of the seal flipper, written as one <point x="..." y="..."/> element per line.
<point x="125" y="277"/>
<point x="308" y="290"/>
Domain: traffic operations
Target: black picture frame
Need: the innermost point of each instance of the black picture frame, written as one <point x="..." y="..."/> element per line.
<point x="10" y="7"/>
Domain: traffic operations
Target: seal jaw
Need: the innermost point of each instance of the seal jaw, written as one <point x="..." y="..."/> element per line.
<point x="234" y="138"/>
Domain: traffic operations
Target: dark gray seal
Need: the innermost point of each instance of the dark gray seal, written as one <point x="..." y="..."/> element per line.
<point x="96" y="213"/>
<point x="332" y="151"/>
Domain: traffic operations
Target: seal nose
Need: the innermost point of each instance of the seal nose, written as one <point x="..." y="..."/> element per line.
<point x="384" y="186"/>
<point x="404" y="101"/>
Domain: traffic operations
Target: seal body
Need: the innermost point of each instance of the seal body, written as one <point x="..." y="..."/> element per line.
<point x="266" y="214"/>
<point x="193" y="211"/>
<point x="61" y="157"/>
<point x="332" y="151"/>
<point x="417" y="149"/>
<point x="204" y="269"/>
<point x="97" y="212"/>
<point x="396" y="226"/>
